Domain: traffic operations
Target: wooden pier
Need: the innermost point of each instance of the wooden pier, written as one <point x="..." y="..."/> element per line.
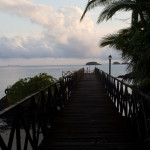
<point x="90" y="122"/>
<point x="82" y="111"/>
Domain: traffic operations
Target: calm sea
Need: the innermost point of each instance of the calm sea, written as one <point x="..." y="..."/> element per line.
<point x="10" y="74"/>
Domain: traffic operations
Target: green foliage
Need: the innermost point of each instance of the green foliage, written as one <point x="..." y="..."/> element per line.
<point x="145" y="86"/>
<point x="27" y="86"/>
<point x="94" y="3"/>
<point x="140" y="9"/>
<point x="133" y="42"/>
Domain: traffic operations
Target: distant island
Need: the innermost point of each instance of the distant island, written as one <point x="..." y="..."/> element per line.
<point x="125" y="63"/>
<point x="92" y="63"/>
<point x="116" y="63"/>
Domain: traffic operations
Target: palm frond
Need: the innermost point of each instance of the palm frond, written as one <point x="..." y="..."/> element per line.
<point x="121" y="41"/>
<point x="109" y="40"/>
<point x="127" y="77"/>
<point x="112" y="8"/>
<point x="117" y="40"/>
<point x="92" y="4"/>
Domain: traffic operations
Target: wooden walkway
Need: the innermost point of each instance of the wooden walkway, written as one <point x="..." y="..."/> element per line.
<point x="89" y="122"/>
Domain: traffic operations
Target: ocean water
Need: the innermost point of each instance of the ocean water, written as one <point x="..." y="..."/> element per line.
<point x="10" y="74"/>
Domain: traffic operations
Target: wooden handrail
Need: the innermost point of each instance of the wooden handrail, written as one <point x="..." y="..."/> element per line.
<point x="27" y="121"/>
<point x="130" y="103"/>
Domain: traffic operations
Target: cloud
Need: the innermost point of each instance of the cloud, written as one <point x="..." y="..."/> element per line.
<point x="63" y="36"/>
<point x="41" y="14"/>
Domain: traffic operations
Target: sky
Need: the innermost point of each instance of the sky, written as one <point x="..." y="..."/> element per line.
<point x="46" y="32"/>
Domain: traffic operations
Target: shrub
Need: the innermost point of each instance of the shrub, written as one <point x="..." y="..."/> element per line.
<point x="27" y="86"/>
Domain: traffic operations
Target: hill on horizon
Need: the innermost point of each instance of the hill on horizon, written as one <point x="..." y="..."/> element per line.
<point x="92" y="63"/>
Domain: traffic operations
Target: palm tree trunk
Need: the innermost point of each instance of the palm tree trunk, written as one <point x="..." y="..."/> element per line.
<point x="134" y="17"/>
<point x="142" y="18"/>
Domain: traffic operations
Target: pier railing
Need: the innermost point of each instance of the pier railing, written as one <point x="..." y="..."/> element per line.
<point x="24" y="124"/>
<point x="130" y="103"/>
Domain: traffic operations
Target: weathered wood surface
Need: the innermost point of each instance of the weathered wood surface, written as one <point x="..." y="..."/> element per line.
<point x="89" y="122"/>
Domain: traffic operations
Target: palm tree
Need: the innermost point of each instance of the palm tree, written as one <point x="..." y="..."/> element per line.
<point x="94" y="3"/>
<point x="133" y="42"/>
<point x="135" y="47"/>
<point x="138" y="8"/>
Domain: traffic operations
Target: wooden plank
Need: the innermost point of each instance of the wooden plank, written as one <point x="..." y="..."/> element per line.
<point x="90" y="122"/>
